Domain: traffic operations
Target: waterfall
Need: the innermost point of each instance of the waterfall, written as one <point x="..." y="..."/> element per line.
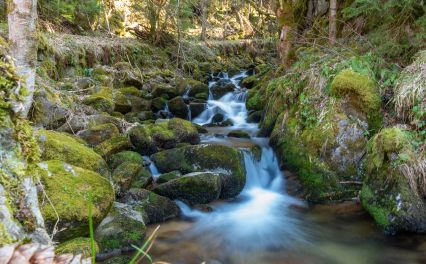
<point x="152" y="168"/>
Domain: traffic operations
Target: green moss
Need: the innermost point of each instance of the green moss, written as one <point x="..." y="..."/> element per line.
<point x="254" y="101"/>
<point x="113" y="145"/>
<point x="361" y="92"/>
<point x="61" y="146"/>
<point x="76" y="246"/>
<point x="102" y="100"/>
<point x="202" y="96"/>
<point x="70" y="189"/>
<point x="125" y="156"/>
<point x="4" y="236"/>
<point x="380" y="214"/>
<point x="131" y="90"/>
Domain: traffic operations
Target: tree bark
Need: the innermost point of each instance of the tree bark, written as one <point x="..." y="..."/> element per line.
<point x="287" y="25"/>
<point x="332" y="22"/>
<point x="204" y="6"/>
<point x="22" y="18"/>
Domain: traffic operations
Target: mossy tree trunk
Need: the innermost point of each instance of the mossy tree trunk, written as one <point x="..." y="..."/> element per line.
<point x="22" y="19"/>
<point x="204" y="8"/>
<point x="287" y="25"/>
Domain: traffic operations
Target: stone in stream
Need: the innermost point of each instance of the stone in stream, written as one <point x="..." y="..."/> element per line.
<point x="221" y="87"/>
<point x="168" y="176"/>
<point x="217" y="118"/>
<point x="238" y="134"/>
<point x="130" y="174"/>
<point x="121" y="228"/>
<point x="158" y="103"/>
<point x="254" y="117"/>
<point x="193" y="188"/>
<point x="154" y="208"/>
<point x="196" y="109"/>
<point x="178" y="107"/>
<point x="221" y="159"/>
<point x="68" y="188"/>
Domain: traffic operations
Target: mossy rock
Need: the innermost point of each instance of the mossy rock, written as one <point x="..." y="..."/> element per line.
<point x="196" y="109"/>
<point x="184" y="131"/>
<point x="196" y="87"/>
<point x="154" y="208"/>
<point x="77" y="246"/>
<point x="202" y="96"/>
<point x="165" y="177"/>
<point x="238" y="134"/>
<point x="249" y="82"/>
<point x="164" y="90"/>
<point x="193" y="188"/>
<point x="254" y="101"/>
<point x="122" y="103"/>
<point x="62" y="146"/>
<point x="158" y="103"/>
<point x="70" y="190"/>
<point x="210" y="158"/>
<point x="102" y="100"/>
<point x="121" y="228"/>
<point x="125" y="156"/>
<point x="361" y="92"/>
<point x="130" y="174"/>
<point x="98" y="134"/>
<point x="392" y="193"/>
<point x="48" y="109"/>
<point x="141" y="138"/>
<point x="178" y="107"/>
<point x="130" y="90"/>
<point x="113" y="145"/>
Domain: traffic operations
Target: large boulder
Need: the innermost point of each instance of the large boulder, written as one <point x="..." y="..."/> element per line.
<point x="393" y="191"/>
<point x="154" y="208"/>
<point x="164" y="90"/>
<point x="184" y="131"/>
<point x="98" y="134"/>
<point x="225" y="160"/>
<point x="193" y="188"/>
<point x="196" y="109"/>
<point x="196" y="87"/>
<point x="178" y="107"/>
<point x="70" y="189"/>
<point x="64" y="147"/>
<point x="120" y="229"/>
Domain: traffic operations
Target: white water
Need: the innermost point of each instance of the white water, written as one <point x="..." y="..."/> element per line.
<point x="152" y="168"/>
<point x="232" y="105"/>
<point x="260" y="216"/>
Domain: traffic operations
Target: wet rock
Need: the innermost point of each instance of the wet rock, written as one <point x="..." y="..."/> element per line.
<point x="121" y="228"/>
<point x="221" y="88"/>
<point x="249" y="82"/>
<point x="130" y="174"/>
<point x="154" y="208"/>
<point x="193" y="188"/>
<point x="98" y="134"/>
<point x="178" y="107"/>
<point x="67" y="187"/>
<point x="254" y="117"/>
<point x="196" y="109"/>
<point x="158" y="104"/>
<point x="217" y="118"/>
<point x="196" y="87"/>
<point x="209" y="158"/>
<point x="164" y="90"/>
<point x="184" y="131"/>
<point x="165" y="177"/>
<point x="238" y="134"/>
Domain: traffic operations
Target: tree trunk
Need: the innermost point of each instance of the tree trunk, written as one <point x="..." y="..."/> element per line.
<point x="22" y="17"/>
<point x="204" y="4"/>
<point x="285" y="44"/>
<point x="332" y="22"/>
<point x="286" y="22"/>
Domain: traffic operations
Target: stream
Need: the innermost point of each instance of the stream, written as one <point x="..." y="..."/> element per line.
<point x="265" y="224"/>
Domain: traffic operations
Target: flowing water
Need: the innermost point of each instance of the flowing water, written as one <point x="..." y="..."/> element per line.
<point x="266" y="225"/>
